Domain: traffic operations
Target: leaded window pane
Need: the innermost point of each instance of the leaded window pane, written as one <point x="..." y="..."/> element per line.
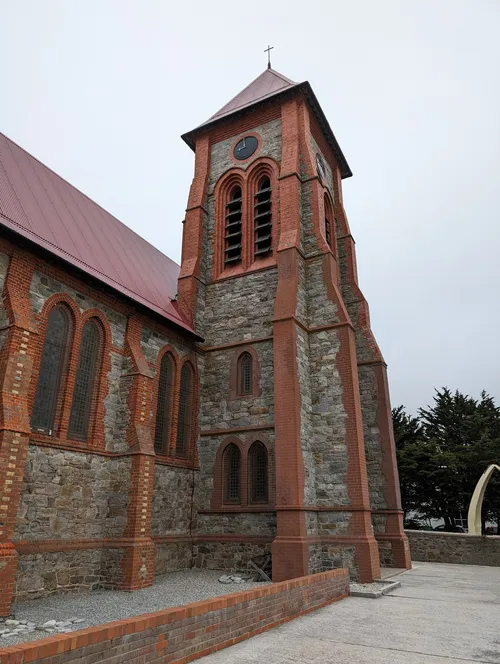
<point x="258" y="471"/>
<point x="53" y="360"/>
<point x="85" y="382"/>
<point x="246" y="373"/>
<point x="185" y="405"/>
<point x="232" y="472"/>
<point x="163" y="408"/>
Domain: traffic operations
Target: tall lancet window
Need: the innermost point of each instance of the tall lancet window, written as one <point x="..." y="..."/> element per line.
<point x="232" y="228"/>
<point x="263" y="228"/>
<point x="329" y="224"/>
<point x="85" y="382"/>
<point x="52" y="368"/>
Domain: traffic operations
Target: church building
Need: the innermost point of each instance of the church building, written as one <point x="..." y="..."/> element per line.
<point x="155" y="417"/>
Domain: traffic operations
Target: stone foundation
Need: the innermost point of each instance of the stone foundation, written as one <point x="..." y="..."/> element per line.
<point x="229" y="556"/>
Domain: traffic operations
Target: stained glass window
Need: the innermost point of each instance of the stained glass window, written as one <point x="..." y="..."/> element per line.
<point x="245" y="370"/>
<point x="258" y="473"/>
<point x="164" y="405"/>
<point x="85" y="382"/>
<point x="185" y="408"/>
<point x="232" y="474"/>
<point x="52" y="365"/>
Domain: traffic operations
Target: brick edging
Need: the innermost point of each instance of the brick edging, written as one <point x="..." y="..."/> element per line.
<point x="318" y="592"/>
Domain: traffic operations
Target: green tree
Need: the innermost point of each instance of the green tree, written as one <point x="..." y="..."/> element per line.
<point x="442" y="453"/>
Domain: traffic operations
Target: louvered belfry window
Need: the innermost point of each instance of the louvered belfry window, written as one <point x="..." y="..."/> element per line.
<point x="328" y="232"/>
<point x="85" y="382"/>
<point x="164" y="405"/>
<point x="232" y="228"/>
<point x="232" y="474"/>
<point x="52" y="365"/>
<point x="328" y="224"/>
<point x="258" y="473"/>
<point x="263" y="236"/>
<point x="185" y="408"/>
<point x="245" y="371"/>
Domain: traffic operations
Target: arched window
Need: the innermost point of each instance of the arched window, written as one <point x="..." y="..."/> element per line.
<point x="185" y="408"/>
<point x="232" y="228"/>
<point x="52" y="366"/>
<point x="164" y="405"/>
<point x="329" y="220"/>
<point x="86" y="381"/>
<point x="232" y="474"/>
<point x="262" y="220"/>
<point x="258" y="474"/>
<point x="245" y="374"/>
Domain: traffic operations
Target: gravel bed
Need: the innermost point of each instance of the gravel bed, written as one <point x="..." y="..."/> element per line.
<point x="102" y="606"/>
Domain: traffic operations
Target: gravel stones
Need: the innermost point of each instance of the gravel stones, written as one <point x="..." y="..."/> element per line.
<point x="23" y="630"/>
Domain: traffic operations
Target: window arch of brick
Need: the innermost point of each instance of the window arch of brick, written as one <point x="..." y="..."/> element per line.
<point x="258" y="218"/>
<point x="186" y="410"/>
<point x="88" y="370"/>
<point x="227" y="211"/>
<point x="329" y="223"/>
<point x="165" y="385"/>
<point x="257" y="481"/>
<point x="258" y="474"/>
<point x="239" y="363"/>
<point x="55" y="353"/>
<point x="263" y="213"/>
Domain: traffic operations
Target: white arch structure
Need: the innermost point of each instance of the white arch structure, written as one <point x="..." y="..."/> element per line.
<point x="476" y="503"/>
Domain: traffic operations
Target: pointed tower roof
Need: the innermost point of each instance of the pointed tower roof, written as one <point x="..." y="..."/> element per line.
<point x="265" y="89"/>
<point x="266" y="85"/>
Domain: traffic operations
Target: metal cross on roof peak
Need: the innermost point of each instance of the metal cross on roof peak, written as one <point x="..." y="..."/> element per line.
<point x="268" y="51"/>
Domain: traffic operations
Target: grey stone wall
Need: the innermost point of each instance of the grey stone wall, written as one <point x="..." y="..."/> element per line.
<point x="458" y="548"/>
<point x="306" y="427"/>
<point x="153" y="341"/>
<point x="117" y="414"/>
<point x="70" y="495"/>
<point x="4" y="266"/>
<point x="240" y="309"/>
<point x="229" y="556"/>
<point x="173" y="556"/>
<point x="172" y="501"/>
<point x="371" y="432"/>
<point x="329" y="442"/>
<point x="323" y="557"/>
<point x="246" y="523"/>
<point x="218" y="410"/>
<point x="44" y="574"/>
<point x="220" y="158"/>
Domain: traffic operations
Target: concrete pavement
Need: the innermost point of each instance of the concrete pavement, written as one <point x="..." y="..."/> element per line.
<point x="442" y="614"/>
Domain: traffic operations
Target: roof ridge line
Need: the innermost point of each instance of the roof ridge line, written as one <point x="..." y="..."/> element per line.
<point x="86" y="196"/>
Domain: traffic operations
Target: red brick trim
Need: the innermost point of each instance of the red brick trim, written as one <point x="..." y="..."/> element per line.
<point x="251" y="269"/>
<point x="248" y="181"/>
<point x="235" y="378"/>
<point x="204" y="627"/>
<point x="225" y="432"/>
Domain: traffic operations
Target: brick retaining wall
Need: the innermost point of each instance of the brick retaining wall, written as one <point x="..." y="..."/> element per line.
<point x="180" y="635"/>
<point x="438" y="547"/>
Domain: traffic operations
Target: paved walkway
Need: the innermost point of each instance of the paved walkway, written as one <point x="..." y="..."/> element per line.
<point x="442" y="614"/>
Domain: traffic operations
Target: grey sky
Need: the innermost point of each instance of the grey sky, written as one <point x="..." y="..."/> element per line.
<point x="100" y="91"/>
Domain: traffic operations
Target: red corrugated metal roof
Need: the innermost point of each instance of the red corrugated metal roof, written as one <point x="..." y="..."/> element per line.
<point x="38" y="204"/>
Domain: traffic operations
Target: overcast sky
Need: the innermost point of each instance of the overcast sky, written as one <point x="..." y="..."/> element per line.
<point x="101" y="90"/>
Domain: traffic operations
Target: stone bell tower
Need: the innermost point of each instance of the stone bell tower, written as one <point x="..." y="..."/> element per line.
<point x="269" y="270"/>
